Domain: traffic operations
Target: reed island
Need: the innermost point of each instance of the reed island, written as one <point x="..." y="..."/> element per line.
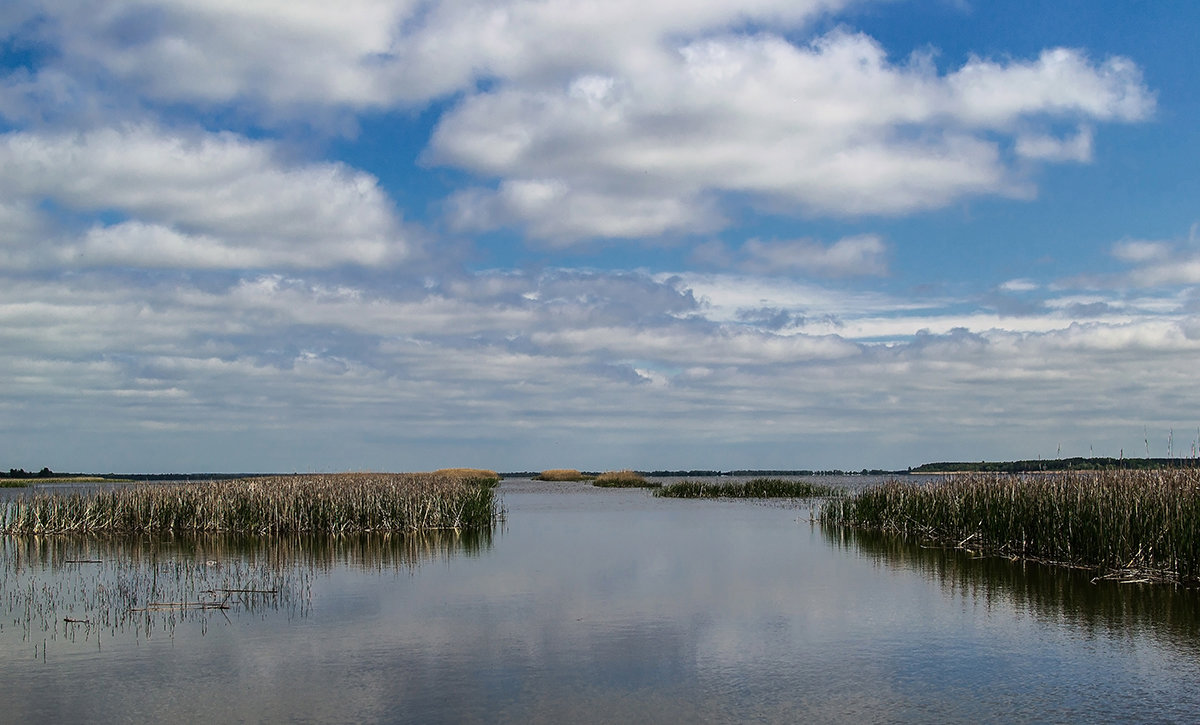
<point x="306" y="503"/>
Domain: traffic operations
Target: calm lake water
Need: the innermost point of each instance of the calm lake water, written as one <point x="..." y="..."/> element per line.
<point x="587" y="605"/>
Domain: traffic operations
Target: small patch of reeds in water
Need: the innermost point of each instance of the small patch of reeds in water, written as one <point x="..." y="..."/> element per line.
<point x="623" y="479"/>
<point x="754" y="488"/>
<point x="561" y="474"/>
<point x="310" y="503"/>
<point x="1129" y="525"/>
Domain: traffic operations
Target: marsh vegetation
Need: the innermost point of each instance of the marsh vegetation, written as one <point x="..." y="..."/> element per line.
<point x="1130" y="525"/>
<point x="624" y="479"/>
<point x="561" y="474"/>
<point x="754" y="488"/>
<point x="479" y="476"/>
<point x="317" y="503"/>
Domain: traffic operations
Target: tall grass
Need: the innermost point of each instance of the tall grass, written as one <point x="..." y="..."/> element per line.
<point x="330" y="503"/>
<point x="623" y="479"/>
<point x="480" y="476"/>
<point x="1136" y="522"/>
<point x="561" y="474"/>
<point x="754" y="488"/>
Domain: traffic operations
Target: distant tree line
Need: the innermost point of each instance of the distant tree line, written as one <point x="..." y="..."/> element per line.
<point x="1057" y="464"/>
<point x="22" y="473"/>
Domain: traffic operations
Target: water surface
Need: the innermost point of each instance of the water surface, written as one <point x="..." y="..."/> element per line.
<point x="590" y="605"/>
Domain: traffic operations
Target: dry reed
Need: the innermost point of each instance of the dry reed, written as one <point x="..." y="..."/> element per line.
<point x="623" y="479"/>
<point x="480" y="476"/>
<point x="1128" y="524"/>
<point x="328" y="503"/>
<point x="560" y="474"/>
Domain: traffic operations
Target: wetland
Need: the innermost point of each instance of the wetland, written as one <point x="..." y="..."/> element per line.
<point x="583" y="604"/>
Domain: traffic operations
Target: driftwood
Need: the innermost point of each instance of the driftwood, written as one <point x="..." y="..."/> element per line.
<point x="242" y="591"/>
<point x="154" y="606"/>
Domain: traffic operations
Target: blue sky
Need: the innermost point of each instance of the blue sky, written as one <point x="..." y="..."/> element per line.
<point x="402" y="235"/>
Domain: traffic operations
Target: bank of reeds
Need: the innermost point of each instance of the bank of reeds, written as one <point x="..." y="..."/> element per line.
<point x="624" y="479"/>
<point x="754" y="488"/>
<point x="318" y="503"/>
<point x="480" y="476"/>
<point x="560" y="474"/>
<point x="1129" y="525"/>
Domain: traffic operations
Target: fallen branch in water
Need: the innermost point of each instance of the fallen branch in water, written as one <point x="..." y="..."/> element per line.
<point x="181" y="605"/>
<point x="242" y="591"/>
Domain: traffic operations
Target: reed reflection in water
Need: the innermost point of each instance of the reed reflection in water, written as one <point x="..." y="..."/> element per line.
<point x="59" y="591"/>
<point x="1073" y="598"/>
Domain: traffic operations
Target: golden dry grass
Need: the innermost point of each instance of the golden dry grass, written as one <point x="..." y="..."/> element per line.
<point x="309" y="503"/>
<point x="482" y="476"/>
<point x="561" y="474"/>
<point x="623" y="479"/>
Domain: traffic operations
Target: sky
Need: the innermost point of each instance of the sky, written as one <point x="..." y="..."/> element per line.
<point x="400" y="235"/>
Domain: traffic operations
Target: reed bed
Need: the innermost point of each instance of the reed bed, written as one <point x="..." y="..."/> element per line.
<point x="479" y="476"/>
<point x="561" y="474"/>
<point x="624" y="479"/>
<point x="322" y="503"/>
<point x="1130" y="525"/>
<point x="754" y="488"/>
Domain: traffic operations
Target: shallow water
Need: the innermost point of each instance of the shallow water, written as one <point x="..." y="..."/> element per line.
<point x="587" y="605"/>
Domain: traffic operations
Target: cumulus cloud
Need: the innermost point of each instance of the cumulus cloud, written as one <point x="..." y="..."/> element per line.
<point x="203" y="200"/>
<point x="615" y="120"/>
<point x="1159" y="263"/>
<point x="833" y="127"/>
<point x="284" y="58"/>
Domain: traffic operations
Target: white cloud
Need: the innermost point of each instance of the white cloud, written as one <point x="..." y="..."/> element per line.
<point x="1019" y="285"/>
<point x="493" y="356"/>
<point x="1141" y="251"/>
<point x="286" y="57"/>
<point x="1159" y="263"/>
<point x="1049" y="148"/>
<point x="209" y="200"/>
<point x="850" y="256"/>
<point x="558" y="216"/>
<point x="831" y="128"/>
<point x="1182" y="271"/>
<point x="278" y="53"/>
<point x="1060" y="82"/>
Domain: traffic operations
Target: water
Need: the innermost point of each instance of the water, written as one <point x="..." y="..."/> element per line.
<point x="594" y="605"/>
